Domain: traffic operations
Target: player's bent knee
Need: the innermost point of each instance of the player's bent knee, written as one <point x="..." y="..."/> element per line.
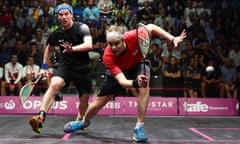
<point x="57" y="83"/>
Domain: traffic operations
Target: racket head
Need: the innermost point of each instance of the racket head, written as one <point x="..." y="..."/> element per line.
<point x="25" y="92"/>
<point x="27" y="89"/>
<point x="143" y="38"/>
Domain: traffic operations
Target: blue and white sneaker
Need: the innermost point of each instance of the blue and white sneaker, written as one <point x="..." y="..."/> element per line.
<point x="139" y="135"/>
<point x="75" y="125"/>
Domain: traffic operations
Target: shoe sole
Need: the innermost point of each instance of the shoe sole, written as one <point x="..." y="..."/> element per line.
<point x="34" y="124"/>
<point x="136" y="140"/>
<point x="81" y="131"/>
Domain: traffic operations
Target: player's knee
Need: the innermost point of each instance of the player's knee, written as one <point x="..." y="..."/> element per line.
<point x="56" y="86"/>
<point x="57" y="83"/>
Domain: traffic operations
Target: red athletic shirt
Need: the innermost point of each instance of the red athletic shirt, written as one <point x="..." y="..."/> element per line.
<point x="122" y="63"/>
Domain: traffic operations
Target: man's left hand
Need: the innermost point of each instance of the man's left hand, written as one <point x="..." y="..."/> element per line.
<point x="67" y="47"/>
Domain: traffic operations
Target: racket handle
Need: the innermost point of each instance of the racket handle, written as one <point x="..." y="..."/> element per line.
<point x="144" y="68"/>
<point x="39" y="78"/>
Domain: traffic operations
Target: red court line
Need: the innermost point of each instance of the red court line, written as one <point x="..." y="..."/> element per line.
<point x="124" y="139"/>
<point x="201" y="134"/>
<point x="66" y="136"/>
<point x="232" y="129"/>
<point x="127" y="139"/>
<point x="29" y="139"/>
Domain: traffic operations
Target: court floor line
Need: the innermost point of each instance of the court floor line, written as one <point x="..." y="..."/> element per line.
<point x="161" y="140"/>
<point x="202" y="134"/>
<point x="127" y="139"/>
<point x="231" y="129"/>
<point x="66" y="136"/>
<point x="195" y="130"/>
<point x="123" y="139"/>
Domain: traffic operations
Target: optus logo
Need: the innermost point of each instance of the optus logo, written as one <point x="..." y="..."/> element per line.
<point x="10" y="105"/>
<point x="195" y="107"/>
<point x="35" y="104"/>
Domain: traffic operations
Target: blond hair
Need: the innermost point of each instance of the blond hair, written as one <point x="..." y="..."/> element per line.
<point x="114" y="31"/>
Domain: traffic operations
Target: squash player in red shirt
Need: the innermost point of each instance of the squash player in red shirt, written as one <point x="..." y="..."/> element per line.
<point x="123" y="60"/>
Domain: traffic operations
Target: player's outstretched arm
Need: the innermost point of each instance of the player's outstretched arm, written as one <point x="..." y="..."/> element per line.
<point x="179" y="38"/>
<point x="158" y="31"/>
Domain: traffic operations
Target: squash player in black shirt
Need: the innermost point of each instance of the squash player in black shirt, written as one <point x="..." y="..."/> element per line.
<point x="74" y="40"/>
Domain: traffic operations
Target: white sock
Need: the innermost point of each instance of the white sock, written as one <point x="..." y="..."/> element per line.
<point x="139" y="124"/>
<point x="78" y="115"/>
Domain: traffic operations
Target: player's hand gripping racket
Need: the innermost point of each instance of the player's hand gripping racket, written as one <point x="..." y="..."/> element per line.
<point x="144" y="40"/>
<point x="27" y="89"/>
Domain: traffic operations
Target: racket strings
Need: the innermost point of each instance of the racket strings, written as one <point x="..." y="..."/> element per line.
<point x="143" y="39"/>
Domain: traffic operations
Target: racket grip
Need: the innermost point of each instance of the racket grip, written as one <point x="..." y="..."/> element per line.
<point x="144" y="69"/>
<point x="38" y="79"/>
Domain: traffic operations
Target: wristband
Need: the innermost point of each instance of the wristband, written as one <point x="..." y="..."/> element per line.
<point x="44" y="66"/>
<point x="135" y="83"/>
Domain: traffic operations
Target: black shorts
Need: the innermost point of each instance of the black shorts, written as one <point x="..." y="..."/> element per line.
<point x="111" y="86"/>
<point x="82" y="80"/>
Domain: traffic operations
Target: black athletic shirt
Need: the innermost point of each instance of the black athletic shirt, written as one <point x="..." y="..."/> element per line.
<point x="74" y="35"/>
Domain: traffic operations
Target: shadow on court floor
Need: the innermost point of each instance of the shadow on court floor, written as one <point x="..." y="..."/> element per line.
<point x="118" y="130"/>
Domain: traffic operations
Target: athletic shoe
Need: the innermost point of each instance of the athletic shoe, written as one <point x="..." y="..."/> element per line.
<point x="78" y="118"/>
<point x="58" y="96"/>
<point x="75" y="125"/>
<point x="139" y="135"/>
<point x="36" y="122"/>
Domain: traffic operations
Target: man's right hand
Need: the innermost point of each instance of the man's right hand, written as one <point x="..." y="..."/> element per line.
<point x="43" y="72"/>
<point x="143" y="80"/>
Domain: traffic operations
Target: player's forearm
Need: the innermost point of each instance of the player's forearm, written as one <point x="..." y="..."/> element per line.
<point x="82" y="47"/>
<point x="47" y="54"/>
<point x="123" y="81"/>
<point x="85" y="46"/>
<point x="126" y="83"/>
<point x="158" y="31"/>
